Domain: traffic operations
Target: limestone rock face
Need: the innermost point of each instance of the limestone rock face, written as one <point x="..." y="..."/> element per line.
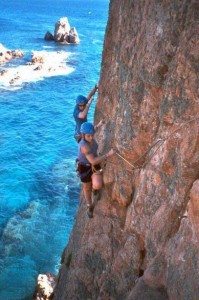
<point x="143" y="242"/>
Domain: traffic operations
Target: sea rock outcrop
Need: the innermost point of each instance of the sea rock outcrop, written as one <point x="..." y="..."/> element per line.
<point x="45" y="287"/>
<point x="143" y="242"/>
<point x="63" y="33"/>
<point x="7" y="55"/>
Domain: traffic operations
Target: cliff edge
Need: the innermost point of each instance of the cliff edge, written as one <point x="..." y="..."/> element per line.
<point x="143" y="242"/>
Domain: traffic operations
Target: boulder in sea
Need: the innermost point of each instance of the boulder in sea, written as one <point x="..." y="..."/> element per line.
<point x="49" y="36"/>
<point x="37" y="58"/>
<point x="17" y="53"/>
<point x="63" y="33"/>
<point x="3" y="72"/>
<point x="38" y="68"/>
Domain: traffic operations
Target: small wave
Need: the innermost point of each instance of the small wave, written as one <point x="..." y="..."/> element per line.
<point x="48" y="47"/>
<point x="96" y="41"/>
<point x="54" y="64"/>
<point x="10" y="88"/>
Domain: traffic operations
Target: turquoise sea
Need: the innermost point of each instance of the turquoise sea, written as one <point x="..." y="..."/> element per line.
<point x="39" y="189"/>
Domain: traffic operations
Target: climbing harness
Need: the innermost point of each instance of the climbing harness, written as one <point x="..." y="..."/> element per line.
<point x="89" y="169"/>
<point x="97" y="169"/>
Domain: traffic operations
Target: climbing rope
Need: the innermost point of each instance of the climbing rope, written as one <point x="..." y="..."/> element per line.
<point x="152" y="146"/>
<point x="125" y="160"/>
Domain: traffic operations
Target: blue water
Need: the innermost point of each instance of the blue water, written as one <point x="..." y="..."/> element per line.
<point x="39" y="190"/>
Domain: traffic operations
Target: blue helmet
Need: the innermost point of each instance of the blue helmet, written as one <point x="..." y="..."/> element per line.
<point x="87" y="128"/>
<point x="81" y="100"/>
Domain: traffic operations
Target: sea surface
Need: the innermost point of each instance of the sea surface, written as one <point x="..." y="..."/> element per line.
<point x="39" y="188"/>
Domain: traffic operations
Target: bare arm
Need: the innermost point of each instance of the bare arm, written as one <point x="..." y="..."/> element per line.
<point x="84" y="113"/>
<point x="92" y="92"/>
<point x="95" y="160"/>
<point x="99" y="125"/>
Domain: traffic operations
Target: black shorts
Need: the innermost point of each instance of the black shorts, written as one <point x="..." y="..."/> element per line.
<point x="85" y="172"/>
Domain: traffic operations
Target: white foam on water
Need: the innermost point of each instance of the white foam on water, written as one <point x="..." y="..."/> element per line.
<point x="95" y="41"/>
<point x="55" y="64"/>
<point x="47" y="47"/>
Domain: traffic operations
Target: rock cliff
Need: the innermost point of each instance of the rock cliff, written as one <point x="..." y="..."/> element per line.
<point x="143" y="242"/>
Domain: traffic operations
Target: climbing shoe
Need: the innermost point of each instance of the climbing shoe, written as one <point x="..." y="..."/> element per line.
<point x="90" y="209"/>
<point x="96" y="195"/>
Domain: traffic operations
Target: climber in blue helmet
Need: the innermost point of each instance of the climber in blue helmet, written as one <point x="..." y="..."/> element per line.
<point x="81" y="110"/>
<point x="89" y="169"/>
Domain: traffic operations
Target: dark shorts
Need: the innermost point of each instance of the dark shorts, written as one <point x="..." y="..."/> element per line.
<point x="78" y="137"/>
<point x="85" y="172"/>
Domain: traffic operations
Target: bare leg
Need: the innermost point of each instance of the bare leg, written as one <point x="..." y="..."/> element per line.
<point x="87" y="186"/>
<point x="97" y="186"/>
<point x="97" y="181"/>
<point x="87" y="194"/>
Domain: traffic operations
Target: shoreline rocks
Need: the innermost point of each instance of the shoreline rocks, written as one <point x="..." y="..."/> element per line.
<point x="63" y="33"/>
<point x="7" y="54"/>
<point x="42" y="64"/>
